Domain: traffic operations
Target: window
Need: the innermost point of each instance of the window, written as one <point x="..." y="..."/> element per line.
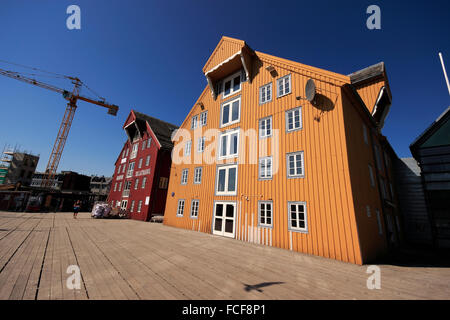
<point x="118" y="169"/>
<point x="198" y="175"/>
<point x="230" y="112"/>
<point x="232" y="84"/>
<point x="383" y="188"/>
<point x="123" y="168"/>
<point x="201" y="144"/>
<point x="126" y="189"/>
<point x="366" y="139"/>
<point x="372" y="179"/>
<point x="368" y="211"/>
<point x="144" y="181"/>
<point x="124" y="204"/>
<point x="265" y="93"/>
<point x="184" y="176"/>
<point x="284" y="85"/>
<point x="377" y="157"/>
<point x="143" y="145"/>
<point x="149" y="142"/>
<point x="295" y="164"/>
<point x="265" y="127"/>
<point x="194" y="208"/>
<point x="380" y="226"/>
<point x="163" y="182"/>
<point x="140" y="163"/>
<point x="229" y="144"/>
<point x="132" y="206"/>
<point x="115" y="186"/>
<point x="226" y="180"/>
<point x="128" y="150"/>
<point x="194" y="123"/>
<point x="139" y="206"/>
<point x="187" y="148"/>
<point x="265" y="168"/>
<point x="130" y="170"/>
<point x="294" y="119"/>
<point x="147" y="161"/>
<point x="297" y="216"/>
<point x="136" y="184"/>
<point x="265" y="214"/>
<point x="180" y="209"/>
<point x="120" y="186"/>
<point x="203" y="118"/>
<point x="134" y="151"/>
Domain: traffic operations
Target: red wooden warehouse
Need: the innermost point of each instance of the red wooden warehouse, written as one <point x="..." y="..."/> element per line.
<point x="142" y="168"/>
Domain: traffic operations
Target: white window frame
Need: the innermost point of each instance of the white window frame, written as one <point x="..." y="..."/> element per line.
<point x="126" y="188"/>
<point x="302" y="174"/>
<point x="203" y="119"/>
<point x="147" y="161"/>
<point x="263" y="132"/>
<point x="130" y="170"/>
<point x="136" y="184"/>
<point x="132" y="206"/>
<point x="200" y="144"/>
<point x="226" y="185"/>
<point x="284" y="86"/>
<point x="305" y="216"/>
<point x="184" y="176"/>
<point x="195" y="205"/>
<point x="115" y="187"/>
<point x="231" y="78"/>
<point x="228" y="135"/>
<point x="139" y="208"/>
<point x="230" y="112"/>
<point x="120" y="186"/>
<point x="265" y="215"/>
<point x="140" y="163"/>
<point x="266" y="175"/>
<point x="187" y="148"/>
<point x="194" y="122"/>
<point x="267" y="87"/>
<point x="181" y="205"/>
<point x="149" y="142"/>
<point x="143" y="145"/>
<point x="124" y="204"/>
<point x="135" y="150"/>
<point x="198" y="172"/>
<point x="294" y="128"/>
<point x="144" y="182"/>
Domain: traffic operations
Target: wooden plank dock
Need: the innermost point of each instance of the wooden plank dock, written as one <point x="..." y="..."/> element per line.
<point x="126" y="259"/>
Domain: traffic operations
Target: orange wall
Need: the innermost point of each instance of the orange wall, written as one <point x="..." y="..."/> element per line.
<point x="329" y="183"/>
<point x="369" y="92"/>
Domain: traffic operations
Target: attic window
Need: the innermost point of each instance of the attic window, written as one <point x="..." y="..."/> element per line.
<point x="232" y="84"/>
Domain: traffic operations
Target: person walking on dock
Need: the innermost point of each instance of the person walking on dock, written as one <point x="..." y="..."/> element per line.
<point x="76" y="208"/>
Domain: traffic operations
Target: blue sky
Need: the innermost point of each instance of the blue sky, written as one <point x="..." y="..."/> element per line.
<point x="148" y="55"/>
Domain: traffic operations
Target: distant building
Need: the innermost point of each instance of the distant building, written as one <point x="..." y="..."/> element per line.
<point x="17" y="167"/>
<point x="56" y="183"/>
<point x="100" y="185"/>
<point x="432" y="152"/>
<point x="141" y="176"/>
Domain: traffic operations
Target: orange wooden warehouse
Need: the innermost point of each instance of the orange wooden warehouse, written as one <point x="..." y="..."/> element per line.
<point x="286" y="155"/>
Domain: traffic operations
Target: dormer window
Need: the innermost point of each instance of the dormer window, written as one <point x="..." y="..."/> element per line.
<point x="232" y="84"/>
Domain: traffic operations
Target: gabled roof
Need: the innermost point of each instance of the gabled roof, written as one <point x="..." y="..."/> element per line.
<point x="232" y="45"/>
<point x="162" y="130"/>
<point x="367" y="73"/>
<point x="430" y="131"/>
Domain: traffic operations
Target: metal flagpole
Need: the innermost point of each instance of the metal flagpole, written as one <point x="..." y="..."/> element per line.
<point x="445" y="72"/>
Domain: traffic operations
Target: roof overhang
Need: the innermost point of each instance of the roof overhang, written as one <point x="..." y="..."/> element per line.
<point x="382" y="107"/>
<point x="237" y="61"/>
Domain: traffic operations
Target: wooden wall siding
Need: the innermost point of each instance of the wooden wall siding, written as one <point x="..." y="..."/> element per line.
<point x="327" y="188"/>
<point x="369" y="92"/>
<point x="225" y="49"/>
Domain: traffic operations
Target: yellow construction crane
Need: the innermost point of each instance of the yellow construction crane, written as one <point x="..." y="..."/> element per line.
<point x="66" y="123"/>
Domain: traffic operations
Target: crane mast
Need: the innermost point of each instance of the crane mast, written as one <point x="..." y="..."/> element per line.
<point x="64" y="128"/>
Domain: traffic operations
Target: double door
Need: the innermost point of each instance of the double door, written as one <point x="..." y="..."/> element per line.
<point x="224" y="218"/>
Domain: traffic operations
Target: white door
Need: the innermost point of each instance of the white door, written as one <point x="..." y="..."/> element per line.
<point x="224" y="218"/>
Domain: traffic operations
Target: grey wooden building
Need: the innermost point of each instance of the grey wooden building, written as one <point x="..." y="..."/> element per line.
<point x="432" y="152"/>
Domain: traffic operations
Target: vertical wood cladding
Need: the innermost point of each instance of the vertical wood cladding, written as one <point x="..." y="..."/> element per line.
<point x="327" y="186"/>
